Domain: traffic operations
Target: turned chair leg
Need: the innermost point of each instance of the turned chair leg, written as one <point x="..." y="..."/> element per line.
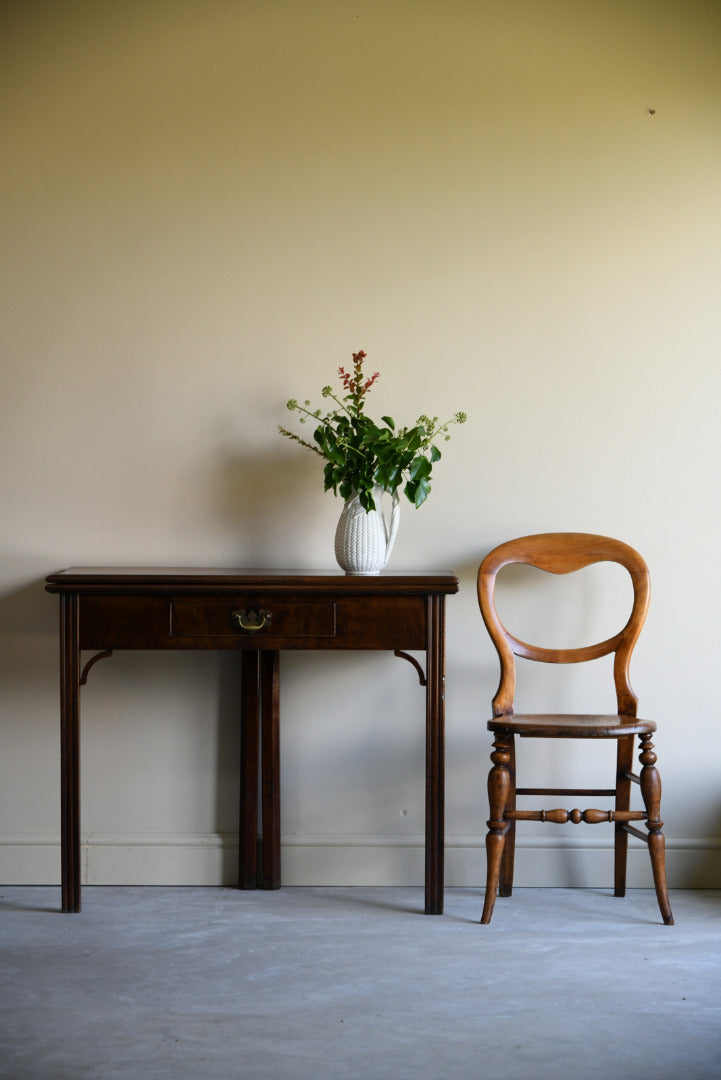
<point x="651" y="794"/>
<point x="499" y="784"/>
<point x="505" y="885"/>
<point x="624" y="766"/>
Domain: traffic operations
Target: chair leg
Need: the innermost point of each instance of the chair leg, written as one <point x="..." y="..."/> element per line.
<point x="624" y="765"/>
<point x="505" y="885"/>
<point x="651" y="794"/>
<point x="499" y="782"/>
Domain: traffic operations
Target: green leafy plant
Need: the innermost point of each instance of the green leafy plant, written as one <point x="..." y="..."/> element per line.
<point x="360" y="454"/>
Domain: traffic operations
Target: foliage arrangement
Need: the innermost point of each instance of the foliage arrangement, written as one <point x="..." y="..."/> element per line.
<point x="361" y="454"/>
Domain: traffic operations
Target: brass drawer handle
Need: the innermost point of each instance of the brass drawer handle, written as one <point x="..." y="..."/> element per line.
<point x="251" y="621"/>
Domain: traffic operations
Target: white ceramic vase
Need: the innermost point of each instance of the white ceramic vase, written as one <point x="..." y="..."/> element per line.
<point x="363" y="540"/>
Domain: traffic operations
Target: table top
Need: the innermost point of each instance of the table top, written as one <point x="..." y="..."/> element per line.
<point x="165" y="579"/>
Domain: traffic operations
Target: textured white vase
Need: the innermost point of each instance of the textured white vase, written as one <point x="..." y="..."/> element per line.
<point x="363" y="540"/>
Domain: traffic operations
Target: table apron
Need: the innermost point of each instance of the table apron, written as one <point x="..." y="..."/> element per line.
<point x="148" y="622"/>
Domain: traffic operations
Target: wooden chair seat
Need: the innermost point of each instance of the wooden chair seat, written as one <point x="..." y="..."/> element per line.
<point x="572" y="725"/>
<point x="563" y="553"/>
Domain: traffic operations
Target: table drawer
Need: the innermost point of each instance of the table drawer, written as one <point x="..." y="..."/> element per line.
<point x="253" y="618"/>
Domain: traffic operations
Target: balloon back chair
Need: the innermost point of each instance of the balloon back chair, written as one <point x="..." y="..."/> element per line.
<point x="562" y="553"/>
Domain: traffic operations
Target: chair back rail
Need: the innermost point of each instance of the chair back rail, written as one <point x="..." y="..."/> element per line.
<point x="564" y="553"/>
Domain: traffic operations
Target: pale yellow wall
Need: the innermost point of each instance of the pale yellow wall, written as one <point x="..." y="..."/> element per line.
<point x="206" y="207"/>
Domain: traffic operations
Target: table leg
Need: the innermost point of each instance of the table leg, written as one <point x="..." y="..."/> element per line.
<point x="435" y="765"/>
<point x="69" y="753"/>
<point x="270" y="769"/>
<point x="248" y="827"/>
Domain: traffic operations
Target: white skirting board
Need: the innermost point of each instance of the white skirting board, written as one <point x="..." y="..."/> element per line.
<point x="331" y="859"/>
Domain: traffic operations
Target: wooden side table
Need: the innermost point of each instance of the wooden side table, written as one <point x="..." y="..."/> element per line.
<point x="259" y="613"/>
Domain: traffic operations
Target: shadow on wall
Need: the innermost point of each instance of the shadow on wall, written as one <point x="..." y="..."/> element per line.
<point x="269" y="501"/>
<point x="28" y="609"/>
<point x="29" y="635"/>
<point x="706" y="871"/>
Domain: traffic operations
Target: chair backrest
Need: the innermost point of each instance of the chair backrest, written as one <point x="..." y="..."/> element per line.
<point x="563" y="553"/>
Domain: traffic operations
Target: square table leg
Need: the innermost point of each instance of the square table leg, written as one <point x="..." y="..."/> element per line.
<point x="69" y="753"/>
<point x="270" y="769"/>
<point x="248" y="826"/>
<point x="435" y="765"/>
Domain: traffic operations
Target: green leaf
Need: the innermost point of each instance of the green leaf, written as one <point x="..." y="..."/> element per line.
<point x="420" y="467"/>
<point x="422" y="492"/>
<point x="382" y="476"/>
<point x="389" y="421"/>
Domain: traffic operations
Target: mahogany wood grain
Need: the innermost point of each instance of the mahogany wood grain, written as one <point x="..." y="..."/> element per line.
<point x="563" y="553"/>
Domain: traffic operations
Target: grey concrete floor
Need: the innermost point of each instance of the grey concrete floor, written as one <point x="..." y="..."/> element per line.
<point x="153" y="983"/>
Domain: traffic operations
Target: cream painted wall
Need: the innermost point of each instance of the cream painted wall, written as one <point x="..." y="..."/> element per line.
<point x="516" y="210"/>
